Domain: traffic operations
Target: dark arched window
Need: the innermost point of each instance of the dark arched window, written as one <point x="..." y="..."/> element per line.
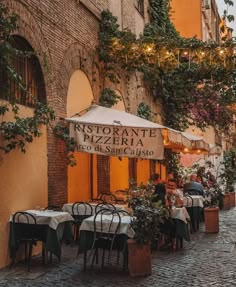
<point x="26" y="66"/>
<point x="139" y="4"/>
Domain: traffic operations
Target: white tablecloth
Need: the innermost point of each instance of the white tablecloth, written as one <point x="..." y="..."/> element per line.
<point x="195" y="201"/>
<point x="180" y="213"/>
<point x="48" y="217"/>
<point x="125" y="227"/>
<point x="67" y="207"/>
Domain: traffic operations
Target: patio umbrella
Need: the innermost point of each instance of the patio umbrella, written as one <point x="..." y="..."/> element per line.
<point x="111" y="132"/>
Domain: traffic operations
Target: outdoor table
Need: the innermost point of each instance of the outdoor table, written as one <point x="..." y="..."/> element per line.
<point x="53" y="225"/>
<point x="194" y="205"/>
<point x="67" y="207"/>
<point x="86" y="237"/>
<point x="181" y="218"/>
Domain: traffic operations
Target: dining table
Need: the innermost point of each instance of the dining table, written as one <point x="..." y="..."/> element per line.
<point x="54" y="227"/>
<point x="194" y="205"/>
<point x="181" y="219"/>
<point x="67" y="207"/>
<point x="87" y="233"/>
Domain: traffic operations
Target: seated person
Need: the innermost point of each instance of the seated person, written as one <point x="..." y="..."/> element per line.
<point x="160" y="189"/>
<point x="193" y="187"/>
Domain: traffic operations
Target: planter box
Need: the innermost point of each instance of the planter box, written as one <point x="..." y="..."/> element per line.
<point x="139" y="258"/>
<point x="232" y="199"/>
<point x="211" y="215"/>
<point x="226" y="201"/>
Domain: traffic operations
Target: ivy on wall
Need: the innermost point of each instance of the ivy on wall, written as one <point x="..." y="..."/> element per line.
<point x="20" y="131"/>
<point x="192" y="79"/>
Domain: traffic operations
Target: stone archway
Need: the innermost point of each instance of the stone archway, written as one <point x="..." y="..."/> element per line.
<point x="81" y="183"/>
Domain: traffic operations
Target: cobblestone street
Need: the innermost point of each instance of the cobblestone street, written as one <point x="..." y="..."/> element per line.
<point x="208" y="260"/>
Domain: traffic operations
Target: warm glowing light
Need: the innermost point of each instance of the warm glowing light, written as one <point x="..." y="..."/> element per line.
<point x="185" y="149"/>
<point x="221" y="52"/>
<point x="149" y="48"/>
<point x="198" y="151"/>
<point x="185" y="53"/>
<point x="202" y="53"/>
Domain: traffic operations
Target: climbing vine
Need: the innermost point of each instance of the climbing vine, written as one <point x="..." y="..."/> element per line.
<point x="192" y="79"/>
<point x="20" y="130"/>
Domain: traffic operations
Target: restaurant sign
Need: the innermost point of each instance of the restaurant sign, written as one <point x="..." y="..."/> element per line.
<point x="120" y="141"/>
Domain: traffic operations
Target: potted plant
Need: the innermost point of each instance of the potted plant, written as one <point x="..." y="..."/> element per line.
<point x="228" y="174"/>
<point x="146" y="222"/>
<point x="211" y="210"/>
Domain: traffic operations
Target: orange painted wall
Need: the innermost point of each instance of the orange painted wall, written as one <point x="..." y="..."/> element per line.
<point x="187" y="18"/>
<point x="119" y="173"/>
<point x="79" y="97"/>
<point x="23" y="182"/>
<point x="119" y="169"/>
<point x="143" y="171"/>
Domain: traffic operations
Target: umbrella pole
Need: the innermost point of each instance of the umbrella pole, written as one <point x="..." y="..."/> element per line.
<point x="91" y="176"/>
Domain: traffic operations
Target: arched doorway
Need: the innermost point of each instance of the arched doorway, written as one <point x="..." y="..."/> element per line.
<point x="82" y="177"/>
<point x="119" y="167"/>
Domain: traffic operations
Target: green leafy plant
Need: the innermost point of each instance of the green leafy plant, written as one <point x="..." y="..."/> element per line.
<point x="21" y="130"/>
<point x="228" y="175"/>
<point x="109" y="98"/>
<point x="61" y="129"/>
<point x="148" y="214"/>
<point x="144" y="111"/>
<point x="190" y="78"/>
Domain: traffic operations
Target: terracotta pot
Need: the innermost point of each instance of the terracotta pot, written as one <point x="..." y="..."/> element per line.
<point x="139" y="258"/>
<point x="226" y="201"/>
<point x="211" y="219"/>
<point x="232" y="199"/>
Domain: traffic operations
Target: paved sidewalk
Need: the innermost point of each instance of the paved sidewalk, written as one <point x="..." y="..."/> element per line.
<point x="208" y="260"/>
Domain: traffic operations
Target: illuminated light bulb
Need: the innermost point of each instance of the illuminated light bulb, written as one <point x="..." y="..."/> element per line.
<point x="185" y="53"/>
<point x="149" y="49"/>
<point x="185" y="149"/>
<point x="221" y="52"/>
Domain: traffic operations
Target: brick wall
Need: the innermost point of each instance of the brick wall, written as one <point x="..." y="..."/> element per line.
<point x="63" y="34"/>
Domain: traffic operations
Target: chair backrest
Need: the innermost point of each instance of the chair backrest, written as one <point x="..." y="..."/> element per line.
<point x="82" y="209"/>
<point x="104" y="205"/>
<point x="106" y="222"/>
<point x="109" y="198"/>
<point x="122" y="191"/>
<point x="23" y="217"/>
<point x="124" y="212"/>
<point x="189" y="201"/>
<point x="24" y="226"/>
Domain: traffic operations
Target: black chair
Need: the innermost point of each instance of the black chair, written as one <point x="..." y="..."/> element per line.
<point x="123" y="191"/>
<point x="26" y="230"/>
<point x="98" y="199"/>
<point x="190" y="210"/>
<point x="109" y="198"/>
<point x="104" y="205"/>
<point x="80" y="211"/>
<point x="105" y="234"/>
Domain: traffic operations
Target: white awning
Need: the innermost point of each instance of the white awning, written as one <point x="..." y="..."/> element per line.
<point x="117" y="133"/>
